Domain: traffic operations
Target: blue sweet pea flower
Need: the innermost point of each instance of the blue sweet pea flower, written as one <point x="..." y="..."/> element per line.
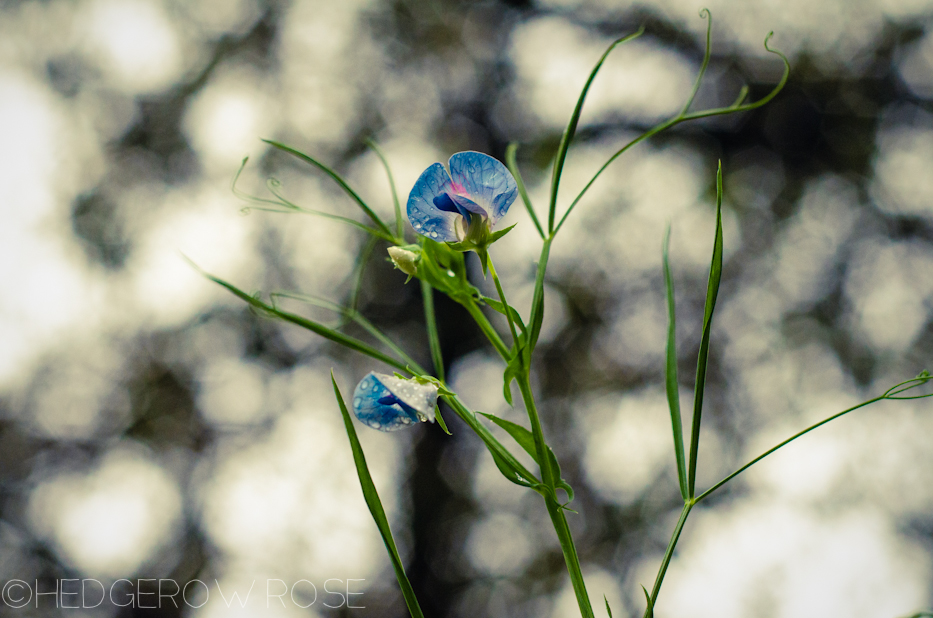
<point x="464" y="205"/>
<point x="390" y="403"/>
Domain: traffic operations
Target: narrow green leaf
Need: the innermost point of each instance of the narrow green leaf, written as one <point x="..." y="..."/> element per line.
<point x="681" y="117"/>
<point x="440" y="420"/>
<point x="337" y="178"/>
<point x="375" y="507"/>
<point x="571" y="129"/>
<point x="608" y="609"/>
<point x="510" y="467"/>
<point x="649" y="610"/>
<point x="282" y="205"/>
<point x="311" y="325"/>
<point x="522" y="436"/>
<point x="670" y="374"/>
<point x="510" y="472"/>
<point x="498" y="307"/>
<point x="712" y="291"/>
<point x="399" y="222"/>
<point x="526" y="440"/>
<point x="522" y="191"/>
<point x="356" y="317"/>
<point x="513" y="370"/>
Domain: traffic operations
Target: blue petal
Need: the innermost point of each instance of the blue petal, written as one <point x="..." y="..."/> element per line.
<point x="486" y="181"/>
<point x="427" y="219"/>
<point x="371" y="404"/>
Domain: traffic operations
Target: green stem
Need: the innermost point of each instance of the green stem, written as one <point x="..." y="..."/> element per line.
<point x="430" y="318"/>
<point x="668" y="554"/>
<point x="784" y="443"/>
<point x="558" y="520"/>
<point x="505" y="303"/>
<point x="483" y="322"/>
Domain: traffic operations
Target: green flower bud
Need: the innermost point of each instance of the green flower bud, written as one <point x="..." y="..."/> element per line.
<point x="406" y="258"/>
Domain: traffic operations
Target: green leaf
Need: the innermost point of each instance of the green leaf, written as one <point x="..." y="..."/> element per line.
<point x="571" y="129"/>
<point x="311" y="325"/>
<point x="510" y="467"/>
<point x="512" y="371"/>
<point x="670" y="374"/>
<point x="440" y="420"/>
<point x="337" y="178"/>
<point x="498" y="307"/>
<point x="608" y="609"/>
<point x="375" y="507"/>
<point x="712" y="291"/>
<point x="282" y="205"/>
<point x="737" y="106"/>
<point x="510" y="472"/>
<point x="526" y="440"/>
<point x="649" y="610"/>
<point x="356" y="317"/>
<point x="522" y="191"/>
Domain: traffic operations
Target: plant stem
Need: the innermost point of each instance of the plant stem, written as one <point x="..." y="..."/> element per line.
<point x="558" y="520"/>
<point x="484" y="325"/>
<point x="430" y="319"/>
<point x="784" y="443"/>
<point x="662" y="570"/>
<point x="505" y="303"/>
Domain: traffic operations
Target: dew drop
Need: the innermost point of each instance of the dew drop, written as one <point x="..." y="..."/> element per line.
<point x="357" y="401"/>
<point x="433" y="234"/>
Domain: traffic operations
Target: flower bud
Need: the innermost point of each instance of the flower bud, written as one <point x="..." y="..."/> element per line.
<point x="405" y="258"/>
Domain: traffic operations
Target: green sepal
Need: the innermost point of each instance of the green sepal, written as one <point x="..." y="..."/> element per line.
<point x="440" y="420"/>
<point x="441" y="390"/>
<point x="479" y="242"/>
<point x="444" y="269"/>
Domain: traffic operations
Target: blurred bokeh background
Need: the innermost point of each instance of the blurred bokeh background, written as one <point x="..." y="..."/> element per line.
<point x="152" y="427"/>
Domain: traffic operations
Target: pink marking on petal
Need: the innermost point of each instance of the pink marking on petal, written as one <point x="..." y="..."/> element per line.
<point x="460" y="189"/>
